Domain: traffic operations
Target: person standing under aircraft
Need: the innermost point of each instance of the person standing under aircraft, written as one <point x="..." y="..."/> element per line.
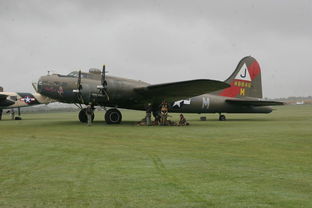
<point x="89" y="112"/>
<point x="149" y="114"/>
<point x="1" y="111"/>
<point x="12" y="114"/>
<point x="157" y="120"/>
<point x="163" y="114"/>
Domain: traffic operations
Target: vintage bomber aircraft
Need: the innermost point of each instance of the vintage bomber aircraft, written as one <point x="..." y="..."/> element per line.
<point x="12" y="100"/>
<point x="240" y="93"/>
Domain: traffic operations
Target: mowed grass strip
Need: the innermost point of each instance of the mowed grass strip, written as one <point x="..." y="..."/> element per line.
<point x="53" y="160"/>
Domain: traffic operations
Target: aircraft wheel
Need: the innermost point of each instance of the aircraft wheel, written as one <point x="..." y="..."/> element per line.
<point x="222" y="118"/>
<point x="83" y="116"/>
<point x="113" y="116"/>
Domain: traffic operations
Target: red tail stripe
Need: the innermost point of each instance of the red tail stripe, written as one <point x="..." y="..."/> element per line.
<point x="254" y="70"/>
<point x="232" y="91"/>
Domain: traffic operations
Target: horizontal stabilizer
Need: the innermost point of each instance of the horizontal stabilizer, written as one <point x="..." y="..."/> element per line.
<point x="254" y="102"/>
<point x="180" y="90"/>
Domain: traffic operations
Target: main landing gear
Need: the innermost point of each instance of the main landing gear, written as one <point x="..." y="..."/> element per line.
<point x="112" y="116"/>
<point x="222" y="117"/>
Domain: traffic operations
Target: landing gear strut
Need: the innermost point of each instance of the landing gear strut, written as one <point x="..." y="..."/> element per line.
<point x="113" y="116"/>
<point x="83" y="116"/>
<point x="19" y="114"/>
<point x="222" y="117"/>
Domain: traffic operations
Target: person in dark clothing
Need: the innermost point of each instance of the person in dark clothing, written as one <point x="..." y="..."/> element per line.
<point x="89" y="112"/>
<point x="163" y="113"/>
<point x="157" y="120"/>
<point x="12" y="114"/>
<point x="183" y="121"/>
<point x="149" y="114"/>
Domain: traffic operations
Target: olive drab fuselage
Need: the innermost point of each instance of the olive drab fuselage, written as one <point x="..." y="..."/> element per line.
<point x="120" y="91"/>
<point x="121" y="94"/>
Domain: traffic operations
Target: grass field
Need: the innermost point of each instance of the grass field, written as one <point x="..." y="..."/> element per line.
<point x="52" y="160"/>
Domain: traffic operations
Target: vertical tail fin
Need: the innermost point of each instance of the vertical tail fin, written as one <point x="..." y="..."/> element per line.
<point x="245" y="80"/>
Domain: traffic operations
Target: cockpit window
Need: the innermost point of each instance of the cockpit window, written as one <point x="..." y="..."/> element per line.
<point x="84" y="75"/>
<point x="73" y="74"/>
<point x="76" y="74"/>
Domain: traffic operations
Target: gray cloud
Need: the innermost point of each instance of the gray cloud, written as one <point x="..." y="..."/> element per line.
<point x="157" y="41"/>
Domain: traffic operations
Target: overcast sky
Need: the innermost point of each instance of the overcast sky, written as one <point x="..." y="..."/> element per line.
<point x="158" y="41"/>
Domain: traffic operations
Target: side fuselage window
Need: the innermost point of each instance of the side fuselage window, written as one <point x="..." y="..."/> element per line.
<point x="14" y="98"/>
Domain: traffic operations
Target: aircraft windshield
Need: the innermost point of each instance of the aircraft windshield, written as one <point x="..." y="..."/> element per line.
<point x="76" y="74"/>
<point x="73" y="74"/>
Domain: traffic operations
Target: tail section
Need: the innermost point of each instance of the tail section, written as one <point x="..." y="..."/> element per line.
<point x="245" y="80"/>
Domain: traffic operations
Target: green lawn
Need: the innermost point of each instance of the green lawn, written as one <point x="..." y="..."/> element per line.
<point x="53" y="160"/>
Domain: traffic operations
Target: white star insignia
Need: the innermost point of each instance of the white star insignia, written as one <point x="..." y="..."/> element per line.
<point x="177" y="103"/>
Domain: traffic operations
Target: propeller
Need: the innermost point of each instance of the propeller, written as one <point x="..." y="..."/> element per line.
<point x="103" y="87"/>
<point x="103" y="80"/>
<point x="78" y="89"/>
<point x="35" y="86"/>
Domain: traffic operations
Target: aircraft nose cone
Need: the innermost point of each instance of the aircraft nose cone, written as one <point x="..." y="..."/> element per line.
<point x="42" y="84"/>
<point x="56" y="87"/>
<point x="46" y="86"/>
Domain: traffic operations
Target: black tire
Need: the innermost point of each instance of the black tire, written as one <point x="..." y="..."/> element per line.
<point x="83" y="116"/>
<point x="113" y="116"/>
<point x="222" y="118"/>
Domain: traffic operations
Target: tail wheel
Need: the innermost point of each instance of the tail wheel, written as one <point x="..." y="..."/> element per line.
<point x="113" y="116"/>
<point x="83" y="116"/>
<point x="222" y="118"/>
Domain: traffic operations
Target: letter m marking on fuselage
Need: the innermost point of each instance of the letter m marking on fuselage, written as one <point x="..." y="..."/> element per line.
<point x="206" y="103"/>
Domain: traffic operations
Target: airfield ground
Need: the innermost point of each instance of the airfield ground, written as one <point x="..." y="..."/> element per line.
<point x="52" y="160"/>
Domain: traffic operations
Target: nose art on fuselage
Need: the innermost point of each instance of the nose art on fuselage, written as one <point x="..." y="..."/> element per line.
<point x="47" y="86"/>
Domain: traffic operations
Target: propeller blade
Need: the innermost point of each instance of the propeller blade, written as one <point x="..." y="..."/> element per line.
<point x="103" y="81"/>
<point x="79" y="81"/>
<point x="35" y="86"/>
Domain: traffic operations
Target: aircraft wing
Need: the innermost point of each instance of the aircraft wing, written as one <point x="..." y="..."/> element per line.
<point x="4" y="101"/>
<point x="254" y="102"/>
<point x="180" y="90"/>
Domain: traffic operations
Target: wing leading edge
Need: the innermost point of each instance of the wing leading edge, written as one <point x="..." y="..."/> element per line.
<point x="180" y="90"/>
